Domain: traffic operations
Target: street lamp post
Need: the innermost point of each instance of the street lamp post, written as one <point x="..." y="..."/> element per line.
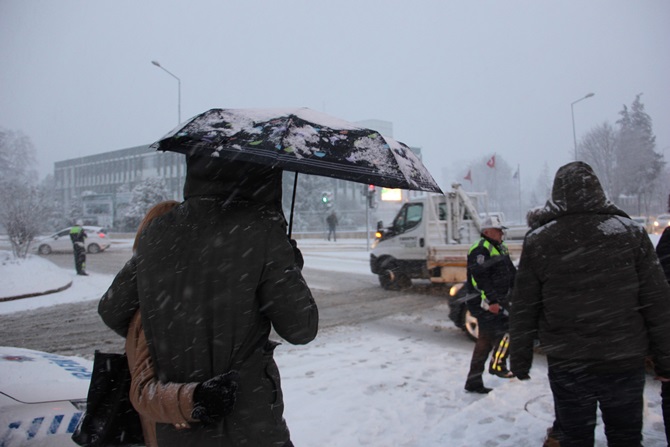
<point x="572" y="108"/>
<point x="178" y="89"/>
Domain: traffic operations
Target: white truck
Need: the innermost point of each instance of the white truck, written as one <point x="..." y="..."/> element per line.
<point x="429" y="239"/>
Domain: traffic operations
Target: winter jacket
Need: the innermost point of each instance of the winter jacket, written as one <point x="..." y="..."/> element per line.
<point x="589" y="284"/>
<point x="663" y="252"/>
<point x="170" y="403"/>
<point x="490" y="277"/>
<point x="212" y="277"/>
<point x="78" y="235"/>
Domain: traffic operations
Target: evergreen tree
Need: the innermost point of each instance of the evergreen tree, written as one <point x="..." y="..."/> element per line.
<point x="143" y="196"/>
<point x="638" y="164"/>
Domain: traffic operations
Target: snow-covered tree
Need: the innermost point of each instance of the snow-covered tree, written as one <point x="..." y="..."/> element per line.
<point x="638" y="164"/>
<point x="309" y="211"/>
<point x="542" y="191"/>
<point x="599" y="148"/>
<point x="143" y="196"/>
<point x="22" y="205"/>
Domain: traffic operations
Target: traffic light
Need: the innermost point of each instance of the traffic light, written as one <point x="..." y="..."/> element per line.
<point x="371" y="195"/>
<point x="327" y="199"/>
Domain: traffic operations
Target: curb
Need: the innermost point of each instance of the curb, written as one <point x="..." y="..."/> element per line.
<point x="30" y="295"/>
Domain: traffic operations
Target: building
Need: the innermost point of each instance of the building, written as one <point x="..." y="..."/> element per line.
<point x="103" y="182"/>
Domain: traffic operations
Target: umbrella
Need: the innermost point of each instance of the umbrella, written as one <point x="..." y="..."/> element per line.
<point x="301" y="140"/>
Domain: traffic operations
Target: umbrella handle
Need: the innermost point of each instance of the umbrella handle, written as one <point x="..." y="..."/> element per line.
<point x="290" y="222"/>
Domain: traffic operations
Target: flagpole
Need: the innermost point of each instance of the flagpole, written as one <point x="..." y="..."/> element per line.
<point x="518" y="179"/>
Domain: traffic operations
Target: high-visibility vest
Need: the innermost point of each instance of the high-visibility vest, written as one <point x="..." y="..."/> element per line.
<point x="493" y="251"/>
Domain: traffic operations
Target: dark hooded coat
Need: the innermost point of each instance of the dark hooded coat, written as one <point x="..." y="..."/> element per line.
<point x="211" y="278"/>
<point x="589" y="284"/>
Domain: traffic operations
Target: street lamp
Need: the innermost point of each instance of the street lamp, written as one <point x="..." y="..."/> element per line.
<point x="572" y="108"/>
<point x="178" y="89"/>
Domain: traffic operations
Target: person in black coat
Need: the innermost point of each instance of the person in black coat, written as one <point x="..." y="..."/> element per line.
<point x="590" y="288"/>
<point x="212" y="278"/>
<point x="663" y="252"/>
<point x="490" y="279"/>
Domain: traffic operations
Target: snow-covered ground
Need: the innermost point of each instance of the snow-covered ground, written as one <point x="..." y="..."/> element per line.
<point x="392" y="382"/>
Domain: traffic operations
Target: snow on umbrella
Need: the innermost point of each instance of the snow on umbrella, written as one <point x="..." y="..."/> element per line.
<point x="301" y="140"/>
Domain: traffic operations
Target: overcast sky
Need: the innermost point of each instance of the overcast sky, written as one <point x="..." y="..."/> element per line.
<point x="460" y="79"/>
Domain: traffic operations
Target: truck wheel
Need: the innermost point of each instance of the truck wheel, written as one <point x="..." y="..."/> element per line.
<point x="391" y="279"/>
<point x="470" y="325"/>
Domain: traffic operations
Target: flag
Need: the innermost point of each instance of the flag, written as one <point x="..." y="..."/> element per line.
<point x="516" y="174"/>
<point x="469" y="176"/>
<point x="492" y="161"/>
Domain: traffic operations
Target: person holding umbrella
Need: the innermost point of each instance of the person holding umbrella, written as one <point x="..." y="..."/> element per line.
<point x="211" y="279"/>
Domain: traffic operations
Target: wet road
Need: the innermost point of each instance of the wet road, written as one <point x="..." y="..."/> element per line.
<point x="76" y="329"/>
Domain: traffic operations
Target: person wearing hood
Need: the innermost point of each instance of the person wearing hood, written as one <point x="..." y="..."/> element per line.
<point x="590" y="288"/>
<point x="211" y="279"/>
<point x="490" y="279"/>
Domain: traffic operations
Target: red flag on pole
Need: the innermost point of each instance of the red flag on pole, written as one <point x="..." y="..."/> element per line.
<point x="492" y="161"/>
<point x="469" y="176"/>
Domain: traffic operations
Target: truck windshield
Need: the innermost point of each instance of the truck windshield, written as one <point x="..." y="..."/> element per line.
<point x="408" y="217"/>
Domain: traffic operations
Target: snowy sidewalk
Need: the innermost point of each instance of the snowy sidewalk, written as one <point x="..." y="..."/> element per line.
<point x="30" y="277"/>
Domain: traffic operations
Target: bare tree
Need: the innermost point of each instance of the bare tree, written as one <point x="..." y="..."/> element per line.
<point x="21" y="214"/>
<point x="598" y="148"/>
<point x="22" y="207"/>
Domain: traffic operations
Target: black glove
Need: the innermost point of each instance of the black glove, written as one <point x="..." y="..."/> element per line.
<point x="215" y="398"/>
<point x="299" y="261"/>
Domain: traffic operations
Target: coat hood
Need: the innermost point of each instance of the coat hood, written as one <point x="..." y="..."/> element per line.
<point x="576" y="190"/>
<point x="236" y="180"/>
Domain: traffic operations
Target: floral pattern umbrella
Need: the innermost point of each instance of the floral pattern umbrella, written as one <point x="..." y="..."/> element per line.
<point x="301" y="140"/>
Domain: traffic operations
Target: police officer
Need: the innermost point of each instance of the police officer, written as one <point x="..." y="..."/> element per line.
<point x="78" y="237"/>
<point x="490" y="281"/>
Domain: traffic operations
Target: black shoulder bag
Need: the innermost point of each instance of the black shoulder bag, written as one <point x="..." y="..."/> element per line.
<point x="110" y="418"/>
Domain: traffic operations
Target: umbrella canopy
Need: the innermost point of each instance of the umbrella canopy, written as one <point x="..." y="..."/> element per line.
<point x="301" y="140"/>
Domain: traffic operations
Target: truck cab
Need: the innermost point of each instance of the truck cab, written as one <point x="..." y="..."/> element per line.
<point x="429" y="238"/>
<point x="425" y="230"/>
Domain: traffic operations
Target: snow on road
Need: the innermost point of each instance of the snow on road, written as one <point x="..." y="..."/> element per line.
<point x="397" y="381"/>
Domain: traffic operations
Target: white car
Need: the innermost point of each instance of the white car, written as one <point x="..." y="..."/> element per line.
<point x="661" y="222"/>
<point x="42" y="397"/>
<point x="96" y="241"/>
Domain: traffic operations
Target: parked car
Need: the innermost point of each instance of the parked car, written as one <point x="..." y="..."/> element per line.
<point x="42" y="397"/>
<point x="96" y="241"/>
<point x="645" y="221"/>
<point x="459" y="313"/>
<point x="661" y="222"/>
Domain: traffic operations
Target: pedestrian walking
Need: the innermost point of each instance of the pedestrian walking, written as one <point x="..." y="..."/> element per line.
<point x="490" y="279"/>
<point x="78" y="237"/>
<point x="331" y="220"/>
<point x="590" y="288"/>
<point x="212" y="278"/>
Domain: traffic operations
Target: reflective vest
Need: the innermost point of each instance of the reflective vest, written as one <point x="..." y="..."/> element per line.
<point x="493" y="251"/>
